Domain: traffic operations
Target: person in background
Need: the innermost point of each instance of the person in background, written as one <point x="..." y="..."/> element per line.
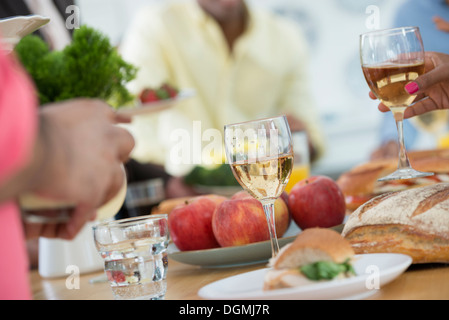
<point x="243" y="64"/>
<point x="70" y="151"/>
<point x="431" y="17"/>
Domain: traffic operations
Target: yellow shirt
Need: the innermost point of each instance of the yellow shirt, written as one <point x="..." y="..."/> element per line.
<point x="264" y="76"/>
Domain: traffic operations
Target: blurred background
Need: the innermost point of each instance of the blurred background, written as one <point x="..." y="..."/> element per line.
<point x="350" y="119"/>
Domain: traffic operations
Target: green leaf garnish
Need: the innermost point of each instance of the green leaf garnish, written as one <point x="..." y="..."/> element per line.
<point x="326" y="270"/>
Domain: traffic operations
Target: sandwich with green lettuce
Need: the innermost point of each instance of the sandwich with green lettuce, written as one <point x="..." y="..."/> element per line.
<point x="317" y="254"/>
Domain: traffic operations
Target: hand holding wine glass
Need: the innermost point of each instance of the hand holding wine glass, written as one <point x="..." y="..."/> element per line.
<point x="260" y="153"/>
<point x="434" y="84"/>
<point x="392" y="59"/>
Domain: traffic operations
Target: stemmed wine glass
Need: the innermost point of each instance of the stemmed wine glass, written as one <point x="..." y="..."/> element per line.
<point x="260" y="154"/>
<point x="391" y="59"/>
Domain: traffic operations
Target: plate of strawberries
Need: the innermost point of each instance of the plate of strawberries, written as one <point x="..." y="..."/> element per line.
<point x="152" y="100"/>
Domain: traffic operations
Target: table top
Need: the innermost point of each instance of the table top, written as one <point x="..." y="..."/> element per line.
<point x="419" y="282"/>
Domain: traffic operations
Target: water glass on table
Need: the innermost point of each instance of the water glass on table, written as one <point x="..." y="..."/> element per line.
<point x="135" y="256"/>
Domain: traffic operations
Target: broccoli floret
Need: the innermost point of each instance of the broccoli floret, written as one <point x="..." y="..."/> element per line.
<point x="89" y="67"/>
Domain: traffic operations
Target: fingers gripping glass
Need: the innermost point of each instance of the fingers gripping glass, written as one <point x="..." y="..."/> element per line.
<point x="260" y="154"/>
<point x="390" y="60"/>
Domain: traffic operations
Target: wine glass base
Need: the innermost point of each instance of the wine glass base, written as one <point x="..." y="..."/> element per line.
<point x="407" y="173"/>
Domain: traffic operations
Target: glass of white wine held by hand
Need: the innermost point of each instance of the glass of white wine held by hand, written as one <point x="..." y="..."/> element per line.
<point x="260" y="154"/>
<point x="390" y="60"/>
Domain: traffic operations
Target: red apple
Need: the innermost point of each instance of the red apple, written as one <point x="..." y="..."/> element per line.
<point x="242" y="195"/>
<point x="284" y="196"/>
<point x="241" y="220"/>
<point x="317" y="202"/>
<point x="190" y="224"/>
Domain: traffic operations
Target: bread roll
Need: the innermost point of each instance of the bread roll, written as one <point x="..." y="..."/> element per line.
<point x="413" y="222"/>
<point x="313" y="245"/>
<point x="360" y="184"/>
<point x="310" y="246"/>
<point x="167" y="206"/>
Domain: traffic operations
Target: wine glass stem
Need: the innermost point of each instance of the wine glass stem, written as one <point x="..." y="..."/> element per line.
<point x="268" y="208"/>
<point x="404" y="162"/>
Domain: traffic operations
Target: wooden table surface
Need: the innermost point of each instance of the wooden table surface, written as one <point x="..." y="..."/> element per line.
<point x="419" y="282"/>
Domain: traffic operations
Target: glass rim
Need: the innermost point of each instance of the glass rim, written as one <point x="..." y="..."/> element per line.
<point x="257" y="120"/>
<point x="123" y="223"/>
<point x="383" y="31"/>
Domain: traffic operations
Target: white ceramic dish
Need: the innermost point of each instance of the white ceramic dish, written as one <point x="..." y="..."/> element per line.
<point x="147" y="108"/>
<point x="15" y="28"/>
<point x="373" y="271"/>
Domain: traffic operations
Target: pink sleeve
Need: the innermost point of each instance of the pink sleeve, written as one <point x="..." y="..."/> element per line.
<point x="18" y="127"/>
<point x="18" y="117"/>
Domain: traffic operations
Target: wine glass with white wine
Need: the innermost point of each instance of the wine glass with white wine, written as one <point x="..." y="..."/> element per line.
<point x="260" y="154"/>
<point x="391" y="59"/>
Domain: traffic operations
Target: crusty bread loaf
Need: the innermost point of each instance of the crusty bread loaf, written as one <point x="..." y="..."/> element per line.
<point x="413" y="222"/>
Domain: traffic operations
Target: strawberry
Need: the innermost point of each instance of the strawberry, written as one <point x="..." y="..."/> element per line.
<point x="172" y="91"/>
<point x="165" y="91"/>
<point x="148" y="95"/>
<point x="116" y="276"/>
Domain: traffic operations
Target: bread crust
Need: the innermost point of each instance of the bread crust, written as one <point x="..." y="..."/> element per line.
<point x="310" y="246"/>
<point x="413" y="222"/>
<point x="421" y="247"/>
<point x="362" y="178"/>
<point x="361" y="181"/>
<point x="167" y="206"/>
<point x="313" y="245"/>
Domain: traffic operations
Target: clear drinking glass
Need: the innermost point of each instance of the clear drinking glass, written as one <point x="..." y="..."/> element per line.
<point x="391" y="59"/>
<point x="260" y="154"/>
<point x="134" y="251"/>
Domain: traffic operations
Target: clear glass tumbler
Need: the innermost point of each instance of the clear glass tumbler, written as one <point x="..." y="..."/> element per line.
<point x="135" y="256"/>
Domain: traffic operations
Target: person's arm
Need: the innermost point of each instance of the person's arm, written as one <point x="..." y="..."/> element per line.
<point x="77" y="159"/>
<point x="22" y="181"/>
<point x="441" y="24"/>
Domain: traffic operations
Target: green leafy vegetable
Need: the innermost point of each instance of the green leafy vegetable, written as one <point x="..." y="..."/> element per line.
<point x="89" y="67"/>
<point x="326" y="270"/>
<point x="219" y="176"/>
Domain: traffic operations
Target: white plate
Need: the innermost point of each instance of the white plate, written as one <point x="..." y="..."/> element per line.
<point x="373" y="271"/>
<point x="152" y="107"/>
<point x="20" y="26"/>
